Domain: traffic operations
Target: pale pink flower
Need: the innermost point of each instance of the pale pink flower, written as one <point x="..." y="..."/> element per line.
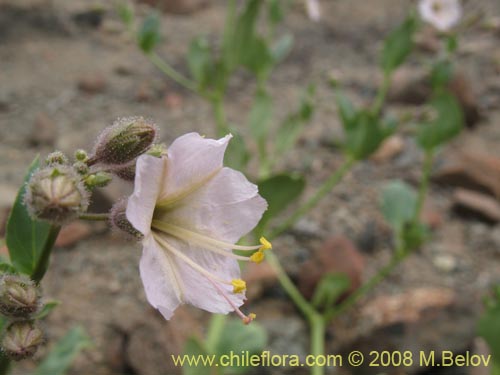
<point x="191" y="211"/>
<point x="442" y="14"/>
<point x="313" y="10"/>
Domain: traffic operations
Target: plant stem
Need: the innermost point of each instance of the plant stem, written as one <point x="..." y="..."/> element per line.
<point x="397" y="257"/>
<point x="424" y="183"/>
<point x="220" y="115"/>
<point x="94" y="217"/>
<point x="317" y="324"/>
<point x="314" y="200"/>
<point x="381" y="94"/>
<point x="217" y="322"/>
<point x="43" y="261"/>
<point x="172" y="73"/>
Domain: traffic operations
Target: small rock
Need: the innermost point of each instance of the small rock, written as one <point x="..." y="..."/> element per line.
<point x="258" y="277"/>
<point x="44" y="131"/>
<point x="173" y="101"/>
<point x="337" y="255"/>
<point x="72" y="233"/>
<point x="92" y="83"/>
<point x="412" y="86"/>
<point x="477" y="204"/>
<point x="389" y="149"/>
<point x="409" y="86"/>
<point x="144" y="93"/>
<point x="428" y="40"/>
<point x="471" y="171"/>
<point x="124" y="70"/>
<point x="419" y="320"/>
<point x="431" y="216"/>
<point x="89" y="18"/>
<point x="177" y="6"/>
<point x="445" y="262"/>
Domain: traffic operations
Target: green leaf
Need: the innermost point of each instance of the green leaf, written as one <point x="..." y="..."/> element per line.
<point x="260" y="115"/>
<point x="237" y="338"/>
<point x="237" y="155"/>
<point x="26" y="238"/>
<point x="346" y="110"/>
<point x="329" y="289"/>
<point x="398" y="45"/>
<point x="448" y="124"/>
<point x="276" y="11"/>
<point x="279" y="191"/>
<point x="63" y="353"/>
<point x="257" y="57"/>
<point x="291" y="128"/>
<point x="47" y="309"/>
<point x="441" y="74"/>
<point x="149" y="33"/>
<point x="200" y="61"/>
<point x="282" y="48"/>
<point x="365" y="134"/>
<point x="489" y="328"/>
<point x="398" y="204"/>
<point x="195" y="350"/>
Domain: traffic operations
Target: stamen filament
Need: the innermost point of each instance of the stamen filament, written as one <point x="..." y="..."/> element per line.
<point x="189" y="261"/>
<point x="182" y="233"/>
<point x="246" y="319"/>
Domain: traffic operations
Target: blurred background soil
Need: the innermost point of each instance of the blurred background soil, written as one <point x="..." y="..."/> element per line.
<point x="68" y="69"/>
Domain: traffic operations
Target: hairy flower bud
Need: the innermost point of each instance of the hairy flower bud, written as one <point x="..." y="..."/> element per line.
<point x="56" y="194"/>
<point x="119" y="219"/>
<point x="81" y="155"/>
<point x="81" y="168"/>
<point x="19" y="296"/>
<point x="124" y="141"/>
<point x="21" y="340"/>
<point x="99" y="179"/>
<point x="55" y="158"/>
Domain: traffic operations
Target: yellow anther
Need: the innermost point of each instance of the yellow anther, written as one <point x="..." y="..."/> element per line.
<point x="257" y="257"/>
<point x="266" y="245"/>
<point x="239" y="285"/>
<point x="248" y="319"/>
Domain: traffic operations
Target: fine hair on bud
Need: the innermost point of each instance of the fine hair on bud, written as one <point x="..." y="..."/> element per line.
<point x="21" y="340"/>
<point x="119" y="221"/>
<point x="56" y="194"/>
<point x="19" y="296"/>
<point x="56" y="158"/>
<point x="126" y="172"/>
<point x="124" y="141"/>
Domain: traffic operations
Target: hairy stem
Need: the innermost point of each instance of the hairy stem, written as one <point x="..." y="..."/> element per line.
<point x="381" y="95"/>
<point x="173" y="74"/>
<point x="221" y="125"/>
<point x="424" y="183"/>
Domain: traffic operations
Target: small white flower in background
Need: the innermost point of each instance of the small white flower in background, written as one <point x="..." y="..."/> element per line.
<point x="313" y="10"/>
<point x="442" y="14"/>
<point x="191" y="211"/>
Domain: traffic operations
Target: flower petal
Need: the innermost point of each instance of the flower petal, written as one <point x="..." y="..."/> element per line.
<point x="226" y="208"/>
<point x="160" y="278"/>
<point x="192" y="161"/>
<point x="149" y="176"/>
<point x="198" y="290"/>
